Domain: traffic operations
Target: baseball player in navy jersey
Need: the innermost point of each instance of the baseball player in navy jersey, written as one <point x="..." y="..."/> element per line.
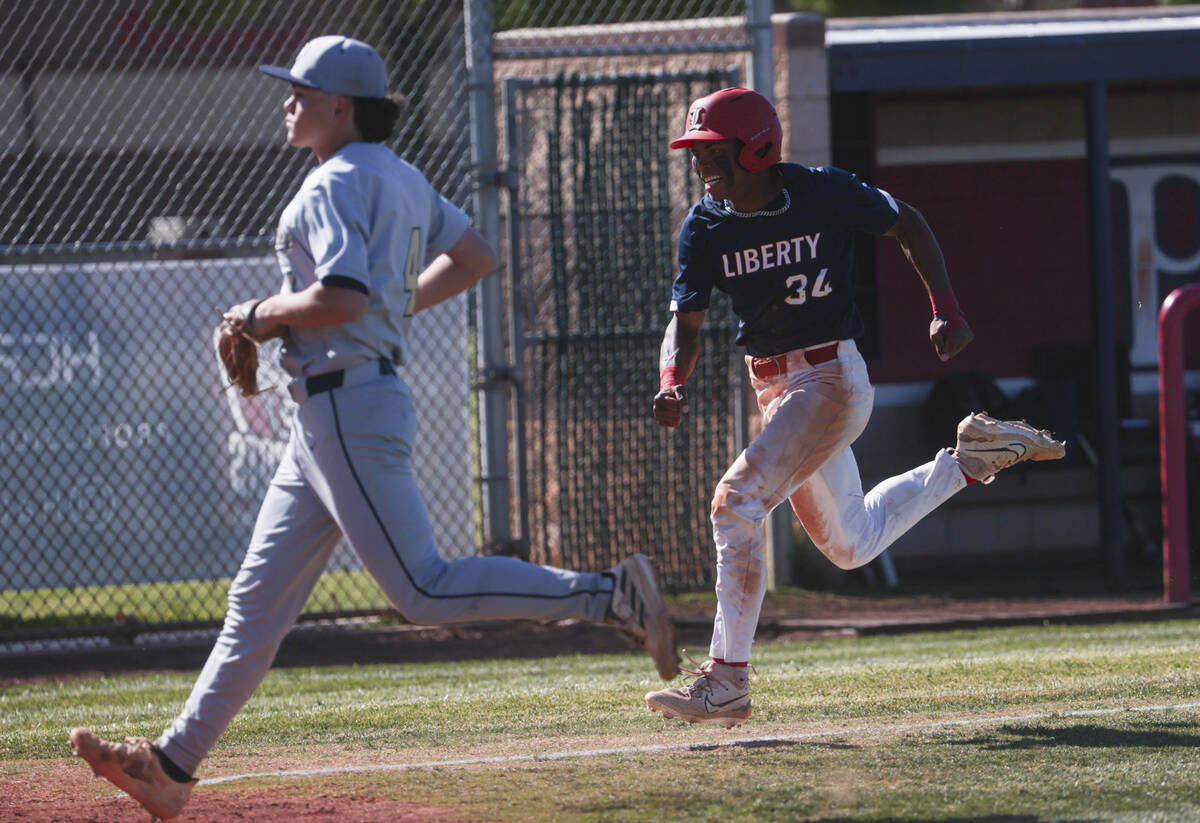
<point x="777" y="238"/>
<point x="365" y="243"/>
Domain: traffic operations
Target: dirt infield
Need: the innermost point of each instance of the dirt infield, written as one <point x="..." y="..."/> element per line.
<point x="74" y="796"/>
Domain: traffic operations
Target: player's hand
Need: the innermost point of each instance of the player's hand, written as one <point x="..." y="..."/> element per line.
<point x="240" y="319"/>
<point x="238" y="354"/>
<point x="670" y="404"/>
<point x="950" y="335"/>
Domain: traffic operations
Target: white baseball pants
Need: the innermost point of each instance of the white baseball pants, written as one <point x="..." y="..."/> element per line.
<point x="347" y="470"/>
<point x="811" y="415"/>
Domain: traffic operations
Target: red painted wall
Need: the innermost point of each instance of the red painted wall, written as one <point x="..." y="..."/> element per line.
<point x="1015" y="238"/>
<point x="1014" y="235"/>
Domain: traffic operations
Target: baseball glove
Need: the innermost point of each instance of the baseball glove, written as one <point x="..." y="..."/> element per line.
<point x="238" y="348"/>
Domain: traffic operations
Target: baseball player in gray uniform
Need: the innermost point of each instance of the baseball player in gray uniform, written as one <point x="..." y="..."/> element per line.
<point x="365" y="243"/>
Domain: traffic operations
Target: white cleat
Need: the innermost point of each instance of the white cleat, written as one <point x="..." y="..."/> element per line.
<point x="134" y="768"/>
<point x="986" y="445"/>
<point x="718" y="694"/>
<point x="638" y="608"/>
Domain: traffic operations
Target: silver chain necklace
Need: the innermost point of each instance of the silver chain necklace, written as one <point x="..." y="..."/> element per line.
<point x="787" y="202"/>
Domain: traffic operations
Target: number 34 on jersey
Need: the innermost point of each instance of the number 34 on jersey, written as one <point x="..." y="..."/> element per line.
<point x="782" y="253"/>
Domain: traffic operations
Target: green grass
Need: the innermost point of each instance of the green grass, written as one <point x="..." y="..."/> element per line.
<point x="183" y="601"/>
<point x="870" y="722"/>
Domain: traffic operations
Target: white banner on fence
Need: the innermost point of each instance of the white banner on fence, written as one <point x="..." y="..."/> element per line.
<point x="124" y="461"/>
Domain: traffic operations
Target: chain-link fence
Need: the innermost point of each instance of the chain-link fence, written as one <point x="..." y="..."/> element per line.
<point x="596" y="202"/>
<point x="594" y="248"/>
<point x="143" y="169"/>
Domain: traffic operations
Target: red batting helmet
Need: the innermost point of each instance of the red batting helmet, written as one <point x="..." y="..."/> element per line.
<point x="736" y="114"/>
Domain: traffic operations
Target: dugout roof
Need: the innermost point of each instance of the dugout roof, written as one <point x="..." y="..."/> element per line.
<point x="981" y="50"/>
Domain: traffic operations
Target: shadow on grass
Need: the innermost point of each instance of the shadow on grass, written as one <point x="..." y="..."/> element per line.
<point x="331" y="647"/>
<point x="1181" y="734"/>
<point x="987" y="818"/>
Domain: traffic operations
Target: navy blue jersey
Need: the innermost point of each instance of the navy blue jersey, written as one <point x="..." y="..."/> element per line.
<point x="790" y="276"/>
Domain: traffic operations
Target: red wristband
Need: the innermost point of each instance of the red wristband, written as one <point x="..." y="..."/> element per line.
<point x="668" y="376"/>
<point x="945" y="304"/>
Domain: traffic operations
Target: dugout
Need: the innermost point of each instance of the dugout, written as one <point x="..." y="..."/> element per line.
<point x="1057" y="157"/>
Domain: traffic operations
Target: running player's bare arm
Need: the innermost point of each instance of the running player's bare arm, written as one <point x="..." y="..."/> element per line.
<point x="677" y="359"/>
<point x="466" y="263"/>
<point x="317" y="306"/>
<point x="948" y="331"/>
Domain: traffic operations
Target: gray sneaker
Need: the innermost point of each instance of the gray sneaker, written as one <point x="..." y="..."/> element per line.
<point x="638" y="608"/>
<point x="134" y="768"/>
<point x="718" y="694"/>
<point x="986" y="445"/>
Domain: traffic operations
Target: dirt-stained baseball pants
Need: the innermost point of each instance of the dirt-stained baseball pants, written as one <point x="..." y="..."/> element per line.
<point x="811" y="415"/>
<point x="347" y="470"/>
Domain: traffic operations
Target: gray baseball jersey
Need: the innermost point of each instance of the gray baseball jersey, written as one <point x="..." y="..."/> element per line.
<point x="369" y="221"/>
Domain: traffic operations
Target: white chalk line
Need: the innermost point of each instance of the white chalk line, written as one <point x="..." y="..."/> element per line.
<point x="703" y="746"/>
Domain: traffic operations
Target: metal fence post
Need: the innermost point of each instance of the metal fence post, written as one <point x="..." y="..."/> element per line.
<point x="762" y="80"/>
<point x="494" y="371"/>
<point x="762" y="54"/>
<point x="1103" y="318"/>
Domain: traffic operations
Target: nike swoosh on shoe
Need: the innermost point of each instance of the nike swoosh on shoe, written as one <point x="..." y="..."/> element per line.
<point x="1009" y="448"/>
<point x="713" y="708"/>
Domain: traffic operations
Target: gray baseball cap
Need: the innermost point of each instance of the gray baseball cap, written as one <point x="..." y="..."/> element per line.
<point x="336" y="64"/>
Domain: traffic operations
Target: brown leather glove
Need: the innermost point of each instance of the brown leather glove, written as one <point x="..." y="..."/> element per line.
<point x="237" y="348"/>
